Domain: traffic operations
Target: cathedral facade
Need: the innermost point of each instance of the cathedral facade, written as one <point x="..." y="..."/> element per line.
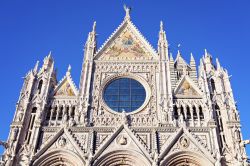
<point x="135" y="106"/>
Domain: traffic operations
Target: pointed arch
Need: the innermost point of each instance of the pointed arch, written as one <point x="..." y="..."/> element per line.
<point x="182" y="112"/>
<point x="188" y="113"/>
<point x="201" y="114"/>
<point x="186" y="158"/>
<point x="60" y="113"/>
<point x="124" y="158"/>
<point x="195" y="113"/>
<point x="212" y="82"/>
<point x="40" y="85"/>
<point x="175" y="112"/>
<point x="60" y="157"/>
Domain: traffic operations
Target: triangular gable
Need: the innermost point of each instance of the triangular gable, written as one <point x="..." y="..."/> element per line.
<point x="187" y="89"/>
<point x="62" y="139"/>
<point x="123" y="137"/>
<point x="66" y="87"/>
<point x="126" y="43"/>
<point x="179" y="61"/>
<point x="184" y="141"/>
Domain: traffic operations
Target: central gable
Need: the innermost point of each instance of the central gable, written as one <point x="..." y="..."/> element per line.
<point x="126" y="43"/>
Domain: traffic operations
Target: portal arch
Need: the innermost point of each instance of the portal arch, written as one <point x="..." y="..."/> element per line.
<point x="186" y="158"/>
<point x="123" y="158"/>
<point x="59" y="158"/>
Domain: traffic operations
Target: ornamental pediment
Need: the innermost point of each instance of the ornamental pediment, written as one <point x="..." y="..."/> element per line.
<point x="187" y="89"/>
<point x="126" y="43"/>
<point x="184" y="141"/>
<point x="122" y="139"/>
<point x="63" y="139"/>
<point x="66" y="87"/>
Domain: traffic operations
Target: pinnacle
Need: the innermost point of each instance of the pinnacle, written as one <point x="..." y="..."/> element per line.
<point x="171" y="57"/>
<point x="178" y="54"/>
<point x="69" y="70"/>
<point x="36" y="66"/>
<point x="161" y="26"/>
<point x="218" y="63"/>
<point x="192" y="58"/>
<point x="50" y="53"/>
<point x="94" y="27"/>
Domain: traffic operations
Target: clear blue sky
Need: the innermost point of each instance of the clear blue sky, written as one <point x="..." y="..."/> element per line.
<point x="30" y="29"/>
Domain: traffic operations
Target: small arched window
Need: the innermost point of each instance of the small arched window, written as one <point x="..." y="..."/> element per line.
<point x="60" y="114"/>
<point x="182" y="112"/>
<point x="212" y="85"/>
<point x="217" y="110"/>
<point x="175" y="112"/>
<point x="48" y="114"/>
<point x="72" y="113"/>
<point x="54" y="113"/>
<point x="40" y="85"/>
<point x="195" y="113"/>
<point x="188" y="113"/>
<point x="201" y="113"/>
<point x="67" y="110"/>
<point x="34" y="110"/>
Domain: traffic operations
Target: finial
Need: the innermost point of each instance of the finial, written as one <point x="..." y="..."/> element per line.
<point x="161" y="26"/>
<point x="36" y="67"/>
<point x="48" y="58"/>
<point x="127" y="10"/>
<point x="94" y="26"/>
<point x="178" y="53"/>
<point x="69" y="70"/>
<point x="218" y="63"/>
<point x="171" y="57"/>
<point x="192" y="57"/>
<point x="205" y="51"/>
<point x="50" y="52"/>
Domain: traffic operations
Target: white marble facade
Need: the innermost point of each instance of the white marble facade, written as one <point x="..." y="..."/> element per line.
<point x="185" y="118"/>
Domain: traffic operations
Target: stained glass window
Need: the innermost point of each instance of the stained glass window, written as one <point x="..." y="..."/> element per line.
<point x="124" y="94"/>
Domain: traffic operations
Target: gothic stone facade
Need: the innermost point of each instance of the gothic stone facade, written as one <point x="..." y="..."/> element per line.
<point x="183" y="119"/>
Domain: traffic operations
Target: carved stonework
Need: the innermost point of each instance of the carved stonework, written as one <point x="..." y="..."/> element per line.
<point x="122" y="140"/>
<point x="184" y="142"/>
<point x="61" y="142"/>
<point x="179" y="119"/>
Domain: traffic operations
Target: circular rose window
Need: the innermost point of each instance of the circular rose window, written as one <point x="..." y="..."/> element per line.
<point x="124" y="94"/>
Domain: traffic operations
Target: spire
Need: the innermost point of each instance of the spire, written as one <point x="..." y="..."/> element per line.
<point x="178" y="54"/>
<point x="171" y="57"/>
<point x="91" y="41"/>
<point x="35" y="70"/>
<point x="161" y="26"/>
<point x="162" y="35"/>
<point x="205" y="51"/>
<point x="162" y="43"/>
<point x="68" y="71"/>
<point x="48" y="60"/>
<point x="208" y="61"/>
<point x="127" y="11"/>
<point x="193" y="73"/>
<point x="192" y="61"/>
<point x="50" y="52"/>
<point x="92" y="34"/>
<point x="94" y="27"/>
<point x="207" y="54"/>
<point x="218" y="63"/>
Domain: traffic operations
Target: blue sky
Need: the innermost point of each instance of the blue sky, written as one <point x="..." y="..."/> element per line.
<point x="30" y="29"/>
